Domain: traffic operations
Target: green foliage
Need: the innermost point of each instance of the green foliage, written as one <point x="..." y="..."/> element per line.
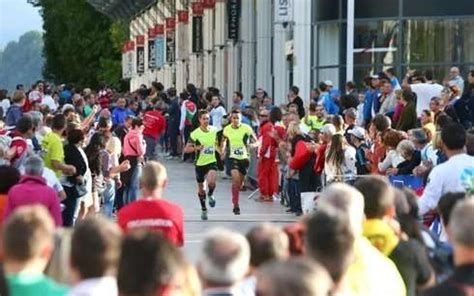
<point x="80" y="44"/>
<point x="22" y="61"/>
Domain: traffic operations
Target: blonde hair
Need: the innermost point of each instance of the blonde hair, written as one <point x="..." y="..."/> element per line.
<point x="294" y="129"/>
<point x="114" y="146"/>
<point x="18" y="96"/>
<point x="153" y="174"/>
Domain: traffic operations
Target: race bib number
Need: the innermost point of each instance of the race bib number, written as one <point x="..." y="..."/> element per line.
<point x="208" y="151"/>
<point x="239" y="151"/>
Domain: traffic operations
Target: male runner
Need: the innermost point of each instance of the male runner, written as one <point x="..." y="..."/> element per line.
<point x="203" y="141"/>
<point x="238" y="135"/>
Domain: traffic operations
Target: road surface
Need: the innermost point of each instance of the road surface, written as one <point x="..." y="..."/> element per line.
<point x="182" y="190"/>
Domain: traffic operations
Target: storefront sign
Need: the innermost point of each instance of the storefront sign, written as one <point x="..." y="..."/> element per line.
<point x="140" y="54"/>
<point x="233" y="15"/>
<point x="283" y="11"/>
<point x="170" y="23"/>
<point x="183" y="16"/>
<point x="151" y="48"/>
<point x="197" y="34"/>
<point x="130" y="58"/>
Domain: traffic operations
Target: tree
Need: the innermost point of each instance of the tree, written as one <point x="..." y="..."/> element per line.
<point x="78" y="44"/>
<point x="22" y="61"/>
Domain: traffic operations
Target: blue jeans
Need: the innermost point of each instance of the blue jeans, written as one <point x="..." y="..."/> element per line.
<point x="150" y="147"/>
<point x="130" y="192"/>
<point x="109" y="198"/>
<point x="294" y="195"/>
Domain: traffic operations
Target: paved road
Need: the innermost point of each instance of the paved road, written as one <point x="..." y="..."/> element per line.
<point x="182" y="190"/>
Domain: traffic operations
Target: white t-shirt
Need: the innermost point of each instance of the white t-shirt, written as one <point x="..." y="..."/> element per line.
<point x="424" y="93"/>
<point x="5" y="104"/>
<point x="454" y="175"/>
<point x="216" y="115"/>
<point x="52" y="180"/>
<point x="49" y="101"/>
<point x="35" y="96"/>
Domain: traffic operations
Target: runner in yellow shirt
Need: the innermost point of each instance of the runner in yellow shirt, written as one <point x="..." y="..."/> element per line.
<point x="203" y="141"/>
<point x="237" y="135"/>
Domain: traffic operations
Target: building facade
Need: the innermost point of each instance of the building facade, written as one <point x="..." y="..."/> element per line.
<point x="242" y="45"/>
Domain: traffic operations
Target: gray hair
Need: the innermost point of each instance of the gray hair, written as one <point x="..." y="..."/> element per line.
<point x="348" y="199"/>
<point x="296" y="276"/>
<point x="225" y="257"/>
<point x="461" y="221"/>
<point x="37" y="118"/>
<point x="406" y="147"/>
<point x="34" y="166"/>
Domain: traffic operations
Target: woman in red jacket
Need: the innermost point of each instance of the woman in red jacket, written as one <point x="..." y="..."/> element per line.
<point x="271" y="133"/>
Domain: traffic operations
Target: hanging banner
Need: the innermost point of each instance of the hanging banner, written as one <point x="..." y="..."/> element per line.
<point x="233" y="19"/>
<point x="209" y="4"/>
<point x="160" y="46"/>
<point x="197" y="8"/>
<point x="197" y="34"/>
<point x="140" y="54"/>
<point x="130" y="58"/>
<point x="170" y="39"/>
<point x="124" y="60"/>
<point x="151" y="48"/>
<point x="183" y="16"/>
<point x="283" y="11"/>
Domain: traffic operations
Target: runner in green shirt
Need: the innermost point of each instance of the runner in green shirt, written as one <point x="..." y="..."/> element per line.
<point x="203" y="141"/>
<point x="237" y="135"/>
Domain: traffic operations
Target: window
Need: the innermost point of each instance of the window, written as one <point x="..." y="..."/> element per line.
<point x="437" y="7"/>
<point x="328" y="44"/>
<point x="326" y="9"/>
<point x="376" y="42"/>
<point x="374" y="8"/>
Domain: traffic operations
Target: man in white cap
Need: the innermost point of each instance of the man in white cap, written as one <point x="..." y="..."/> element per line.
<point x="357" y="136"/>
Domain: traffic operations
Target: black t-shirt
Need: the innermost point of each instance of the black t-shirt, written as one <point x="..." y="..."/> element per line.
<point x="412" y="262"/>
<point x="461" y="283"/>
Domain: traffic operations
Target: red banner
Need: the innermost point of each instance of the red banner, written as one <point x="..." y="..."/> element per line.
<point x="140" y="40"/>
<point x="183" y="16"/>
<point x="170" y="23"/>
<point x="130" y="45"/>
<point x="151" y="33"/>
<point x="160" y="29"/>
<point x="209" y="4"/>
<point x="197" y="8"/>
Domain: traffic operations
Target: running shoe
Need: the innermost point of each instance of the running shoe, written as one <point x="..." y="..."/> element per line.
<point x="204" y="215"/>
<point x="236" y="210"/>
<point x="212" y="201"/>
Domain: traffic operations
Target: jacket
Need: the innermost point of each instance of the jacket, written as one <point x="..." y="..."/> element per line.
<point x="14" y="113"/>
<point x="371" y="97"/>
<point x="34" y="190"/>
<point x="269" y="147"/>
<point x="134" y="145"/>
<point x="119" y="115"/>
<point x="408" y="117"/>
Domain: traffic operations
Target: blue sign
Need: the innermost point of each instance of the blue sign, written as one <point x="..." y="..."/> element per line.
<point x="160" y="51"/>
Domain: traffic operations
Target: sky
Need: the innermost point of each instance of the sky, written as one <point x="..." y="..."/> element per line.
<point x="16" y="18"/>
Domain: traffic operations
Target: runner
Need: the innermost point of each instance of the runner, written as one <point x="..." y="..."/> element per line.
<point x="238" y="135"/>
<point x="203" y="141"/>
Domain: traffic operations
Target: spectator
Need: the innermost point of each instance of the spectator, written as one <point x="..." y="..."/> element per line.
<point x="371" y="104"/>
<point x="422" y="142"/>
<point x="120" y="112"/>
<point x="455" y="78"/>
<point x="350" y="117"/>
<point x="330" y="241"/>
<point x="461" y="235"/>
<point x="390" y="72"/>
<point x="436" y="106"/>
<point x="294" y="98"/>
<point x="408" y="115"/>
<point x="32" y="189"/>
<point x="134" y="148"/>
<point x="388" y="99"/>
<point x="370" y="273"/>
<point x="19" y="144"/>
<point x="315" y="120"/>
<point x="49" y="101"/>
<point x="340" y="165"/>
<point x="217" y="112"/>
<point x="10" y="177"/>
<point x="152" y="211"/>
<point x="53" y="146"/>
<point x="329" y="98"/>
<point x="224" y="262"/>
<point x="95" y="249"/>
<point x="150" y="265"/>
<point x="427" y="122"/>
<point x="174" y="114"/>
<point x="36" y="95"/>
<point x="296" y="276"/>
<point x="14" y="112"/>
<point x="408" y="255"/>
<point x="452" y="175"/>
<point x="357" y="136"/>
<point x="390" y="141"/>
<point x="238" y="101"/>
<point x="411" y="156"/>
<point x="28" y="242"/>
<point x="424" y="91"/>
<point x="267" y="243"/>
<point x="155" y="125"/>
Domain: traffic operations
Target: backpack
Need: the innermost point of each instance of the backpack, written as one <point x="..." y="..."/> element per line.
<point x="191" y="109"/>
<point x="440" y="254"/>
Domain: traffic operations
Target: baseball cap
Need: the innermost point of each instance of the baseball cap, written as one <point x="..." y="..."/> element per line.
<point x="357" y="132"/>
<point x="328" y="82"/>
<point x="329" y="129"/>
<point x="374" y="76"/>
